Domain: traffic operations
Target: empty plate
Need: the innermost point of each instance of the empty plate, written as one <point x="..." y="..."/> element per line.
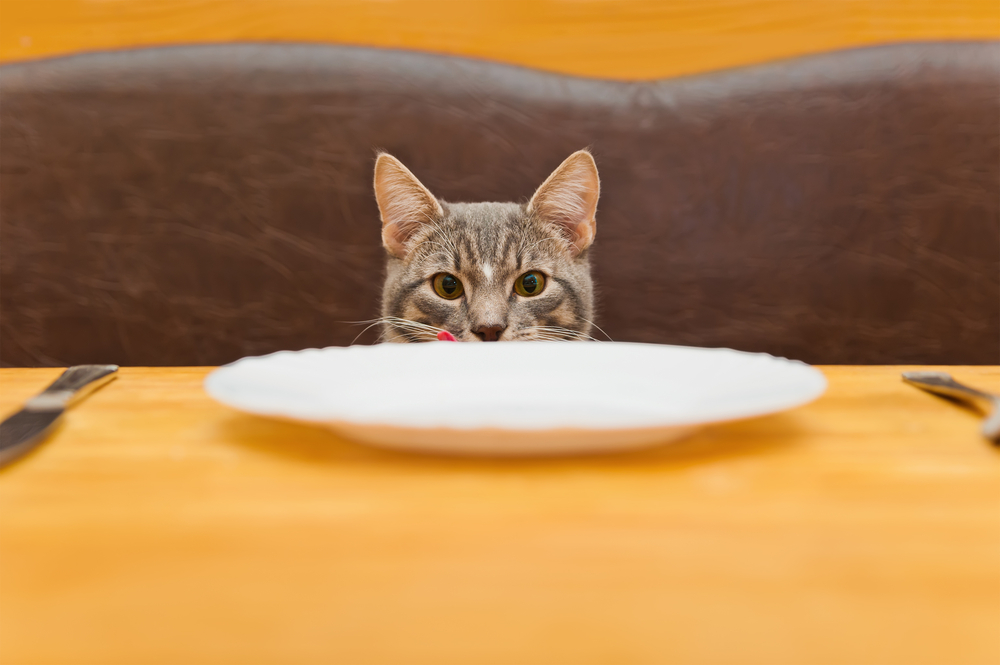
<point x="514" y="398"/>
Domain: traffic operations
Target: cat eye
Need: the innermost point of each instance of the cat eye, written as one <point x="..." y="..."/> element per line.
<point x="447" y="286"/>
<point x="530" y="284"/>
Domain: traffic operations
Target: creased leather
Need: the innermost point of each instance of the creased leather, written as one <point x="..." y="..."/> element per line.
<point x="191" y="205"/>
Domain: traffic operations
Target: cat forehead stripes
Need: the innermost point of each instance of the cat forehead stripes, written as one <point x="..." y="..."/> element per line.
<point x="483" y="242"/>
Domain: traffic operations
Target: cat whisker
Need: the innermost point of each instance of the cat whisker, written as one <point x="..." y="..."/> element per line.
<point x="412" y="330"/>
<point x="562" y="330"/>
<point x="550" y="338"/>
<point x="599" y="329"/>
<point x="370" y="325"/>
<point x="556" y="333"/>
<point x="410" y="323"/>
<point x="409" y="334"/>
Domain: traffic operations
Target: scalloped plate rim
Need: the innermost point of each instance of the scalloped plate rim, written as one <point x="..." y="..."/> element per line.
<point x="812" y="384"/>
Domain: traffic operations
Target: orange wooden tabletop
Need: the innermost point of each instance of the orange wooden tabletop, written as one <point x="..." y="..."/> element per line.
<point x="157" y="526"/>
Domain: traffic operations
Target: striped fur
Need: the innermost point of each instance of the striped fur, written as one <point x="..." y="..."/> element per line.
<point x="488" y="246"/>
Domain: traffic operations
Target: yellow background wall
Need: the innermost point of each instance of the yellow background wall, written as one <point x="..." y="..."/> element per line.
<point x="626" y="39"/>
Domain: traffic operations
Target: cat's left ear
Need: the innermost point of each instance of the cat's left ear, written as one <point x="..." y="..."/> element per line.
<point x="404" y="203"/>
<point x="568" y="199"/>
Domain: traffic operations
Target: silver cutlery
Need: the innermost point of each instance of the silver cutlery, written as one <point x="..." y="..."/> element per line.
<point x="28" y="427"/>
<point x="941" y="383"/>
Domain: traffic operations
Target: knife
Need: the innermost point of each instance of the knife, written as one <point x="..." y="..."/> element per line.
<point x="28" y="427"/>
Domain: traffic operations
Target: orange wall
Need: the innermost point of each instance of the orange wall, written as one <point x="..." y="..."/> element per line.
<point x="627" y="39"/>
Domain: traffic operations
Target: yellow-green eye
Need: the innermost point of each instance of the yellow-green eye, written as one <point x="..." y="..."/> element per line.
<point x="447" y="286"/>
<point x="530" y="284"/>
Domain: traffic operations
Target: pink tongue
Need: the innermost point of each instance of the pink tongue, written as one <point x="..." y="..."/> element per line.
<point x="446" y="336"/>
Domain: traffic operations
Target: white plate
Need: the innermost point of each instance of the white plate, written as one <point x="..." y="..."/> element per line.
<point x="514" y="398"/>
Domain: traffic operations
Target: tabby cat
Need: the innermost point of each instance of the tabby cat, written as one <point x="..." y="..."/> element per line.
<point x="488" y="272"/>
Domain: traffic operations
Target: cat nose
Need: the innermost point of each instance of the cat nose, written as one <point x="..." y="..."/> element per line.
<point x="489" y="333"/>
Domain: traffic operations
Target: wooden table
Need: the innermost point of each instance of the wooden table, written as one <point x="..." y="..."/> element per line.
<point x="159" y="527"/>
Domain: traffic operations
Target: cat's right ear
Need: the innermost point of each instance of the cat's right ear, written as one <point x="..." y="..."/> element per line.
<point x="404" y="203"/>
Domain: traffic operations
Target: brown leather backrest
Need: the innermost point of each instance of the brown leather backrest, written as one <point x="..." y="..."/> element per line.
<point x="191" y="205"/>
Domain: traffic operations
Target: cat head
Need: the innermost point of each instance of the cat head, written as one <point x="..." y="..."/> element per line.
<point x="488" y="271"/>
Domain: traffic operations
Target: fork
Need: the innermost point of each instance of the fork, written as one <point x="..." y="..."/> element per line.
<point x="941" y="383"/>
